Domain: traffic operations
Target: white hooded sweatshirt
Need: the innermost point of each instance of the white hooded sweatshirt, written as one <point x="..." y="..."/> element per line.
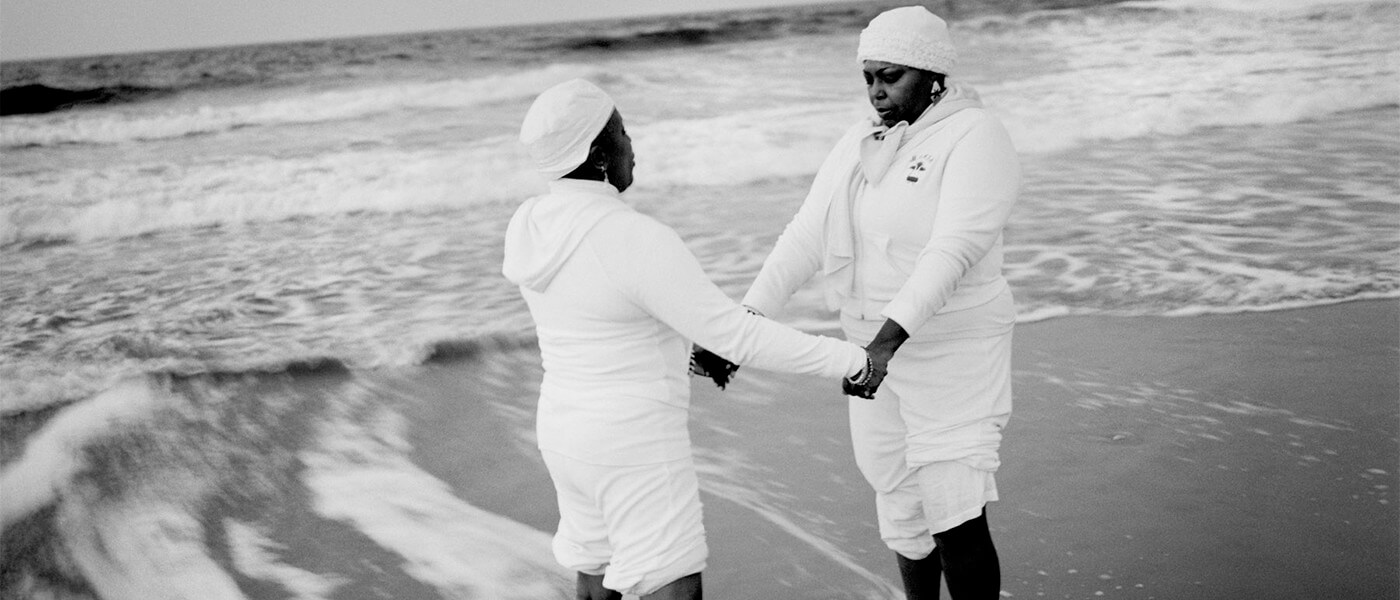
<point x="616" y="296"/>
<point x="903" y="222"/>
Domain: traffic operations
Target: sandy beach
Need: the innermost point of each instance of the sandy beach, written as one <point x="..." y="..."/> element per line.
<point x="1246" y="455"/>
<point x="1249" y="455"/>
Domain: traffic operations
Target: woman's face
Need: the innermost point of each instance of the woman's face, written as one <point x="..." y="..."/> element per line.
<point x="621" y="160"/>
<point x="897" y="92"/>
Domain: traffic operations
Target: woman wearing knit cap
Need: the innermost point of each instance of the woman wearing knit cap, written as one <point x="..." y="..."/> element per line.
<point x="904" y="221"/>
<point x="613" y="325"/>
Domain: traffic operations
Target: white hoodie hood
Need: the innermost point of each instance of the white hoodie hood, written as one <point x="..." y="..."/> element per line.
<point x="546" y="230"/>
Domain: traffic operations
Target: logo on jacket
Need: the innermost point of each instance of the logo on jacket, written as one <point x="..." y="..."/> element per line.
<point x="918" y="166"/>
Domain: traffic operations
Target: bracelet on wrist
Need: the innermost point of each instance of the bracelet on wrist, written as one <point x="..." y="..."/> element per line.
<point x="862" y="376"/>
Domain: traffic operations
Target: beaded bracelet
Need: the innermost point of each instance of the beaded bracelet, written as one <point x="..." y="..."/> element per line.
<point x="863" y="376"/>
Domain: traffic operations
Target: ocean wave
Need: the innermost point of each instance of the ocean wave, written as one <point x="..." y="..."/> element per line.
<point x="742" y="147"/>
<point x="1098" y="86"/>
<point x="1037" y="312"/>
<point x="125" y="201"/>
<point x="129" y="200"/>
<point x="50" y="457"/>
<point x="111" y="127"/>
<point x="183" y="487"/>
<point x="457" y="349"/>
<point x="1093" y="87"/>
<point x="27" y="386"/>
<point x="1129" y="118"/>
<point x="1257" y="6"/>
<point x="774" y="144"/>
<point x="1304" y="301"/>
<point x="1042" y="115"/>
<point x="37" y="98"/>
<point x="31" y="386"/>
<point x="702" y="29"/>
<point x="678" y="35"/>
<point x="358" y="471"/>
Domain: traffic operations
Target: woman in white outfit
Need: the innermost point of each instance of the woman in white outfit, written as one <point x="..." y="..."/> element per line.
<point x="617" y="300"/>
<point x="904" y="220"/>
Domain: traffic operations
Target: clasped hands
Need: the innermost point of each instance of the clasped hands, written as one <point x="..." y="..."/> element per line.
<point x="863" y="385"/>
<point x="708" y="364"/>
<point x="880" y="351"/>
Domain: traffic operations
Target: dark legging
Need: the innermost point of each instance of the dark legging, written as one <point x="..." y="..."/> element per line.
<point x="965" y="556"/>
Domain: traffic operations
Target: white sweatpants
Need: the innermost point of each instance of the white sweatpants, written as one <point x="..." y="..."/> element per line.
<point x="927" y="443"/>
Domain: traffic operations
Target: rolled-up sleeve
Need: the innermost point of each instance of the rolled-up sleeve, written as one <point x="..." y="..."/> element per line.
<point x="981" y="181"/>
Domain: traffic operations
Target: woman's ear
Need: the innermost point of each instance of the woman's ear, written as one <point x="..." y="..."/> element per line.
<point x="598" y="158"/>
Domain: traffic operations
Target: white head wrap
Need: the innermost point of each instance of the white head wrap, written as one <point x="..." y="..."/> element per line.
<point x="910" y="36"/>
<point x="562" y="124"/>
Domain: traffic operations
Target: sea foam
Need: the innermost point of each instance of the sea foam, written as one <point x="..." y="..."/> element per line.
<point x="423" y="145"/>
<point x="117" y="125"/>
<point x="730" y="150"/>
<point x="51" y="457"/>
<point x="1265" y="6"/>
<point x="130" y="200"/>
<point x="360" y="475"/>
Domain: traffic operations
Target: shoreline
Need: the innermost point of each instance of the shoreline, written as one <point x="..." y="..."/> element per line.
<point x="1249" y="454"/>
<point x="1147" y="457"/>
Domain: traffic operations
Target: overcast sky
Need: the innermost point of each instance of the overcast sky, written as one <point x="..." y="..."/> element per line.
<point x="50" y="28"/>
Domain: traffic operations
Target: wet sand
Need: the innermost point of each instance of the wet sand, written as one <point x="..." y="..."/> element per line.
<point x="1250" y="455"/>
<point x="1247" y="455"/>
<point x="1235" y="456"/>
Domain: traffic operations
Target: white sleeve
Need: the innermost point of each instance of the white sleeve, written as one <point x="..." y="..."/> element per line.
<point x="980" y="184"/>
<point x="668" y="282"/>
<point x="797" y="255"/>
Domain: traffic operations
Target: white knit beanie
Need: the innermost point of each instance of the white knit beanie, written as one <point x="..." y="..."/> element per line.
<point x="910" y="36"/>
<point x="561" y="125"/>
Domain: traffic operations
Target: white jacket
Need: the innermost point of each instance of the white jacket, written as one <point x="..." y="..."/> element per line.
<point x="615" y="297"/>
<point x="904" y="223"/>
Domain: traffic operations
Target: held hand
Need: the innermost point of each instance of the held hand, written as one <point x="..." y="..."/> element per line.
<point x="708" y="364"/>
<point x="887" y="341"/>
<point x="851" y="389"/>
<point x="867" y="384"/>
<point x="880" y="351"/>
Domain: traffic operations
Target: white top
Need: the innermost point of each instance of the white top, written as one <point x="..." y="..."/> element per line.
<point x="922" y="236"/>
<point x="616" y="296"/>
